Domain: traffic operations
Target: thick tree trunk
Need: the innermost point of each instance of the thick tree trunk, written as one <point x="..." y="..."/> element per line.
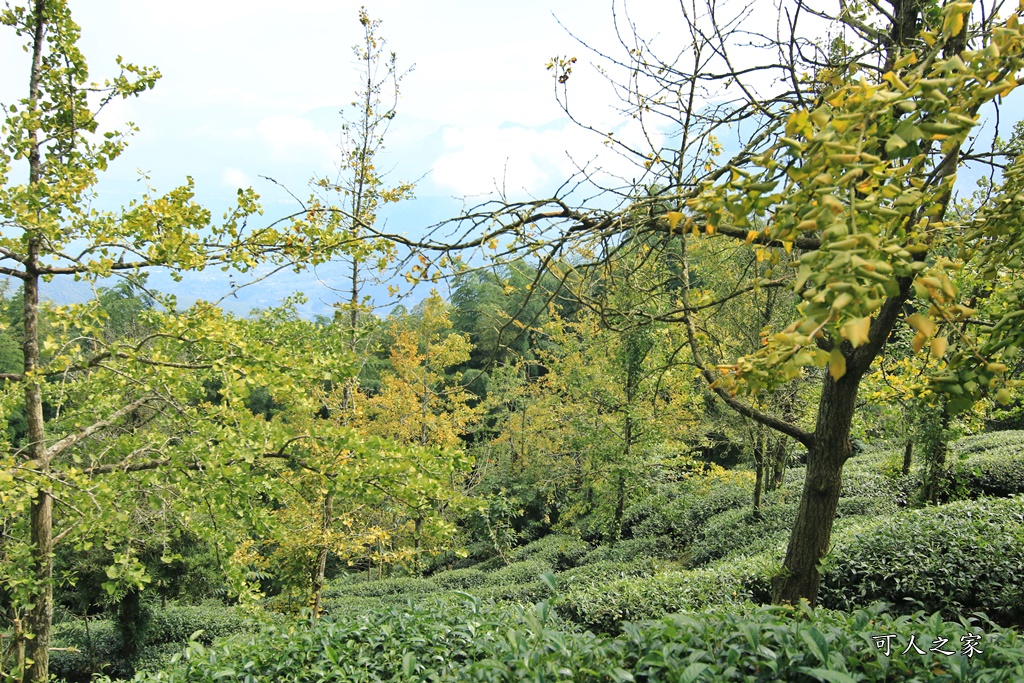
<point x="812" y="532"/>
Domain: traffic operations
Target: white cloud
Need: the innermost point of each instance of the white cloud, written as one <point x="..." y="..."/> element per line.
<point x="520" y="160"/>
<point x="236" y="178"/>
<point x="292" y="138"/>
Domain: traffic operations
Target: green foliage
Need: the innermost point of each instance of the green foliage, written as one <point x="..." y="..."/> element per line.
<point x="472" y="641"/>
<point x="735" y="529"/>
<point x="681" y="517"/>
<point x="597" y="574"/>
<point x="656" y="547"/>
<point x="603" y="607"/>
<point x="460" y="579"/>
<point x="518" y="572"/>
<point x="957" y="558"/>
<point x="559" y="551"/>
<point x="403" y="585"/>
<point x="88" y="646"/>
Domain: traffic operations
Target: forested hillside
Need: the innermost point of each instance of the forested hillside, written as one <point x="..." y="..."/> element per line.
<point x="754" y="415"/>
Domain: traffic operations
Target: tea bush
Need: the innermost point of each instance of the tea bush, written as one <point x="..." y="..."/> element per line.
<point x="1009" y="439"/>
<point x="681" y="518"/>
<point x="603" y="607"/>
<point x="460" y="579"/>
<point x="99" y="645"/>
<point x="736" y="529"/>
<point x="630" y="549"/>
<point x="559" y="551"/>
<point x="518" y="572"/>
<point x="402" y="585"/>
<point x="600" y="573"/>
<point x="957" y="558"/>
<point x="478" y="642"/>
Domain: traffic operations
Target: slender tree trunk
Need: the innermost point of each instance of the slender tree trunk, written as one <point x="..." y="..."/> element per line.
<point x="321" y="562"/>
<point x="40" y="618"/>
<point x="759" y="448"/>
<point x="809" y="542"/>
<point x="777" y="465"/>
<point x="908" y="454"/>
<point x="620" y="492"/>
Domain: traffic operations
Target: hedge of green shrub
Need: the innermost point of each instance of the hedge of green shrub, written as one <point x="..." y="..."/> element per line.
<point x="559" y="551"/>
<point x="99" y="645"/>
<point x="1009" y="439"/>
<point x="479" y="642"/>
<point x="460" y="579"/>
<point x="996" y="472"/>
<point x="682" y="517"/>
<point x="518" y="572"/>
<point x="957" y="558"/>
<point x="601" y="573"/>
<point x="657" y="547"/>
<point x="737" y="529"/>
<point x="402" y="585"/>
<point x="603" y="607"/>
<point x="527" y="592"/>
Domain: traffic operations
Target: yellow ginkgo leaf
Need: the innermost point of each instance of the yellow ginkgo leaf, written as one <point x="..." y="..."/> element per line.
<point x="857" y="331"/>
<point x="673" y="218"/>
<point x="922" y="324"/>
<point x="836" y="363"/>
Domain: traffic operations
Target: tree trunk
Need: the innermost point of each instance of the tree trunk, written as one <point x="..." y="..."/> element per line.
<point x="908" y="454"/>
<point x="812" y="532"/>
<point x="620" y="503"/>
<point x="321" y="562"/>
<point x="40" y="617"/>
<point x="758" y="477"/>
<point x="777" y="465"/>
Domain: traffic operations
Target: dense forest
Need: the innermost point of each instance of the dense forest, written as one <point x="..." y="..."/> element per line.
<point x="754" y="416"/>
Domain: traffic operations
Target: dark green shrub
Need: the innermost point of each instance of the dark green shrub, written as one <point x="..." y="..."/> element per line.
<point x="459" y="579"/>
<point x="866" y="506"/>
<point x="997" y="472"/>
<point x="1010" y="439"/>
<point x="735" y="530"/>
<point x="600" y="573"/>
<point x="681" y="518"/>
<point x="631" y="549"/>
<point x="403" y="585"/>
<point x="868" y="483"/>
<point x="559" y="551"/>
<point x="518" y="572"/>
<point x="476" y="642"/>
<point x="957" y="558"/>
<point x="525" y="593"/>
<point x="178" y="622"/>
<point x="98" y="644"/>
<point x="603" y="607"/>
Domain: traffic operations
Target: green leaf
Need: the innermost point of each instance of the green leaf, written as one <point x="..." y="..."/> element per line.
<point x="816" y="642"/>
<point x="830" y="676"/>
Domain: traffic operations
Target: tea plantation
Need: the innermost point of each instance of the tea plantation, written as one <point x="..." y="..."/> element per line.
<point x="910" y="593"/>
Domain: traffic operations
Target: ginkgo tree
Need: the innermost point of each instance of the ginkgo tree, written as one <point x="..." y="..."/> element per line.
<point x="848" y="153"/>
<point x="165" y="412"/>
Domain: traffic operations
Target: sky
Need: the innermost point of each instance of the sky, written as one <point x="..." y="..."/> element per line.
<point x="253" y="88"/>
